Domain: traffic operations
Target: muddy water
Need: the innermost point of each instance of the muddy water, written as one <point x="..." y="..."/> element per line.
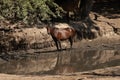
<point x="66" y="61"/>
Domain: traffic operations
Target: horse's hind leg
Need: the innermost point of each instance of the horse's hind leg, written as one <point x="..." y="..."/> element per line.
<point x="57" y="46"/>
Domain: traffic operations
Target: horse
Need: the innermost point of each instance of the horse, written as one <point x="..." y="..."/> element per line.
<point x="61" y="34"/>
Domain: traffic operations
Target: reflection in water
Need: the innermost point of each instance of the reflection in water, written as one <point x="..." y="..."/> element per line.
<point x="61" y="62"/>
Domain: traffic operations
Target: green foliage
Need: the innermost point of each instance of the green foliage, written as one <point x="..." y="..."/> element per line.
<point x="29" y="11"/>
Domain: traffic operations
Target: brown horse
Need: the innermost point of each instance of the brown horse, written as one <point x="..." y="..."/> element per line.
<point x="60" y="34"/>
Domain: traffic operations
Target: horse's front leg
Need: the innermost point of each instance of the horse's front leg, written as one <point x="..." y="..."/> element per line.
<point x="59" y="44"/>
<point x="56" y="43"/>
<point x="71" y="42"/>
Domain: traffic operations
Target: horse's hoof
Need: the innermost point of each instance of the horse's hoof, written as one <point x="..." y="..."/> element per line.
<point x="59" y="50"/>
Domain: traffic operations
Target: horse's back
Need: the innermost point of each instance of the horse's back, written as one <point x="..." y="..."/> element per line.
<point x="64" y="33"/>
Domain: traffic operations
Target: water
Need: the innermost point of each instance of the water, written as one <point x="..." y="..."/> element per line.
<point x="53" y="62"/>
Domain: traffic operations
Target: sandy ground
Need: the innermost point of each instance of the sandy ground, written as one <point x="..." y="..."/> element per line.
<point x="14" y="77"/>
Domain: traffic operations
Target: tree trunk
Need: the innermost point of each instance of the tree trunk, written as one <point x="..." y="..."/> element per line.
<point x="85" y="8"/>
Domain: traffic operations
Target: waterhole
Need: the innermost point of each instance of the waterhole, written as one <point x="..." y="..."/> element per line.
<point x="58" y="62"/>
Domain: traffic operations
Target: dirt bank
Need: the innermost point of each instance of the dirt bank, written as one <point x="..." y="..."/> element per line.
<point x="22" y="38"/>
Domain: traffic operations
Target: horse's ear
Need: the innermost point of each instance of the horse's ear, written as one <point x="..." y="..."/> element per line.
<point x="50" y="24"/>
<point x="46" y="26"/>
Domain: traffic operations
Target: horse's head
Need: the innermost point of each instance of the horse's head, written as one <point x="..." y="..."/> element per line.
<point x="48" y="29"/>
